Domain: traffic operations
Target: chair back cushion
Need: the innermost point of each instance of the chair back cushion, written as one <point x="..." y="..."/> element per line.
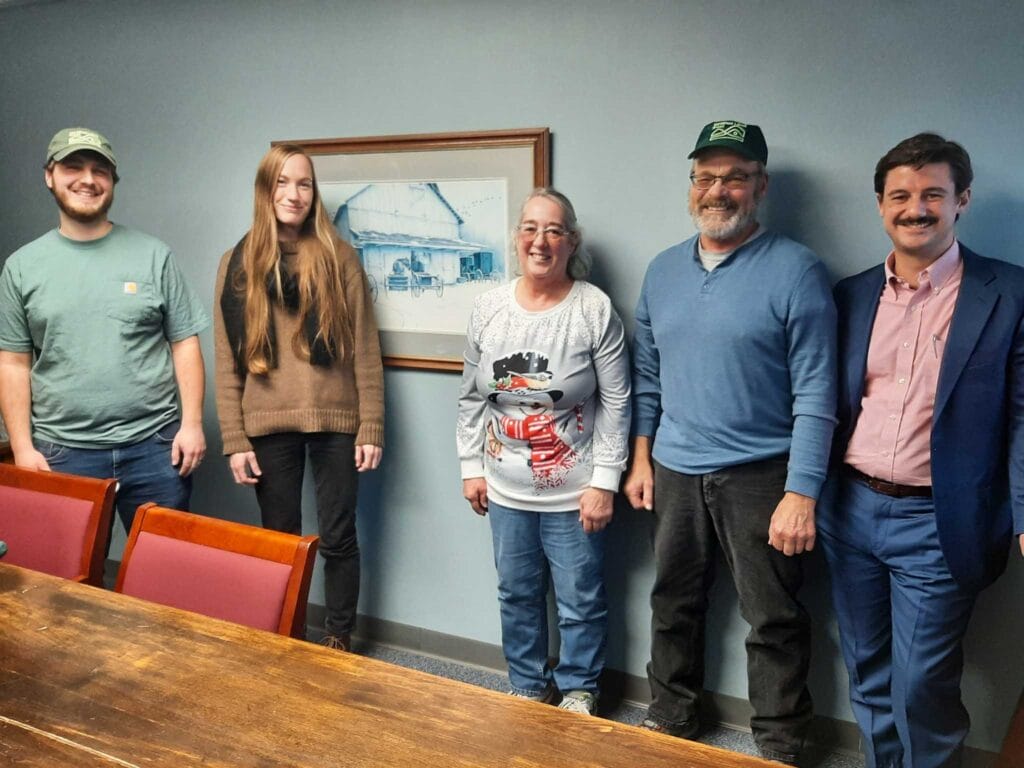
<point x="44" y="531"/>
<point x="213" y="582"/>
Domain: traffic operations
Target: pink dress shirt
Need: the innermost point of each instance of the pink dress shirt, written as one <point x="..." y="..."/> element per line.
<point x="892" y="439"/>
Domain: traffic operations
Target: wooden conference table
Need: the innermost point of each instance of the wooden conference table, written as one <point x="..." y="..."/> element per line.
<point x="93" y="678"/>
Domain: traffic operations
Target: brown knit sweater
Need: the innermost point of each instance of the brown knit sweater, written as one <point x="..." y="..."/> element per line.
<point x="346" y="397"/>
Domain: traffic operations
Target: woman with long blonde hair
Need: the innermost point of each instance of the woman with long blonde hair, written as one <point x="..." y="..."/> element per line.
<point x="298" y="370"/>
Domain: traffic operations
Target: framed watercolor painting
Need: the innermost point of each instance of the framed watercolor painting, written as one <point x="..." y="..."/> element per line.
<point x="430" y="216"/>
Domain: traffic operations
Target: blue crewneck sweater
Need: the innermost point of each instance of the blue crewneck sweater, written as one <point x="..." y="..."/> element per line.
<point x="737" y="364"/>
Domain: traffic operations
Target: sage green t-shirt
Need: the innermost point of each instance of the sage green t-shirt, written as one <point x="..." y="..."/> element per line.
<point x="99" y="316"/>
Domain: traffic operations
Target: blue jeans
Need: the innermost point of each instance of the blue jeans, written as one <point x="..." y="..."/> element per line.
<point x="902" y="619"/>
<point x="527" y="547"/>
<point x="143" y="470"/>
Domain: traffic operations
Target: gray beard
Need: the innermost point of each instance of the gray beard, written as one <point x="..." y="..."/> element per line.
<point x="716" y="229"/>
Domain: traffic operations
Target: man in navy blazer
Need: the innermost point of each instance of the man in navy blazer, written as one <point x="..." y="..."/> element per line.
<point x="927" y="482"/>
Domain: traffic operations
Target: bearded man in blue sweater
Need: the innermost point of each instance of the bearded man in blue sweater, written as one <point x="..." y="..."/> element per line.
<point x="734" y="399"/>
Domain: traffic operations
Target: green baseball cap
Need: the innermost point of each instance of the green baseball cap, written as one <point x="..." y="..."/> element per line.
<point x="741" y="138"/>
<point x="72" y="140"/>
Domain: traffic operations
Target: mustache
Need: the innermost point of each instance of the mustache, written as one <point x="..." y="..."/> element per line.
<point x="915" y="221"/>
<point x="729" y="205"/>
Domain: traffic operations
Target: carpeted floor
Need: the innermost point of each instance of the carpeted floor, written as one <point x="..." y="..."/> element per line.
<point x="623" y="712"/>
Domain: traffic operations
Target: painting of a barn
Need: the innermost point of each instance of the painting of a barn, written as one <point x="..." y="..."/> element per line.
<point x="410" y="239"/>
<point x="428" y="247"/>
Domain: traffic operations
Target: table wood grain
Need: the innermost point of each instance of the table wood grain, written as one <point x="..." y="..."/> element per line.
<point x="92" y="678"/>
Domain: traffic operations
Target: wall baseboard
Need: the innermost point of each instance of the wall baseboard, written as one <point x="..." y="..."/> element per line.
<point x="827" y="733"/>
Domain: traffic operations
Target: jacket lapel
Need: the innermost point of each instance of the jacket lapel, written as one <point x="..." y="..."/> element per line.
<point x="861" y="322"/>
<point x="974" y="305"/>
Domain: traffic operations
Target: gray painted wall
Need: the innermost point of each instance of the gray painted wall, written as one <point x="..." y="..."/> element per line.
<point x="191" y="93"/>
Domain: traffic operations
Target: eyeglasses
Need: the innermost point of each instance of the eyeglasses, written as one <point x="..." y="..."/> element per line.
<point x="732" y="181"/>
<point x="552" y="234"/>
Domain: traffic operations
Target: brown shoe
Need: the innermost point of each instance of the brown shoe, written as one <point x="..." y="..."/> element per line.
<point x="337" y="642"/>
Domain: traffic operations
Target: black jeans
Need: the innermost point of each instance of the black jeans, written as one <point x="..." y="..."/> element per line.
<point x="282" y="459"/>
<point x="731" y="507"/>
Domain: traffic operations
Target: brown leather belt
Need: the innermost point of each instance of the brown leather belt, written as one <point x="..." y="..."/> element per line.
<point x="889" y="489"/>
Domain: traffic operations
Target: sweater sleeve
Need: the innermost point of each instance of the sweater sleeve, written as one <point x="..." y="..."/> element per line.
<point x="811" y="331"/>
<point x="611" y="421"/>
<point x="646" y="370"/>
<point x="228" y="384"/>
<point x="367" y="364"/>
<point x="469" y="430"/>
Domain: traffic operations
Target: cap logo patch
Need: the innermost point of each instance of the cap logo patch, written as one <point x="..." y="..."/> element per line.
<point x="131" y="288"/>
<point x="83" y="137"/>
<point x="728" y="130"/>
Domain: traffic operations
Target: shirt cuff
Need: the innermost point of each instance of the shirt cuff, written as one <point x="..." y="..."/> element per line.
<point x="606" y="478"/>
<point x="804" y="484"/>
<point x="472" y="468"/>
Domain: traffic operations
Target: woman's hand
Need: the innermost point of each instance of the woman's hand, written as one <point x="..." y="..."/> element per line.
<point x="368" y="457"/>
<point x="244" y="468"/>
<point x="596" y="507"/>
<point x="474" y="489"/>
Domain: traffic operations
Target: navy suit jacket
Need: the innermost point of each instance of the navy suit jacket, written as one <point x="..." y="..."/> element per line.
<point x="977" y="437"/>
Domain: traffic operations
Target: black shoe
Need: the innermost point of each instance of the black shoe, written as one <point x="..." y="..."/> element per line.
<point x="338" y="642"/>
<point x="688" y="730"/>
<point x="780" y="757"/>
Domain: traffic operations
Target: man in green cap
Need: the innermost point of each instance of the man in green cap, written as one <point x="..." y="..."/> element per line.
<point x="734" y="402"/>
<point x="98" y="337"/>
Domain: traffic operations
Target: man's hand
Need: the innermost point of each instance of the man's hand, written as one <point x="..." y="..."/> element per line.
<point x="33" y="459"/>
<point x="791" y="530"/>
<point x="188" y="448"/>
<point x="596" y="507"/>
<point x="368" y="457"/>
<point x="474" y="489"/>
<point x="16" y="407"/>
<point x="244" y="468"/>
<point x="639" y="485"/>
<point x="189" y="444"/>
<point x="1022" y="544"/>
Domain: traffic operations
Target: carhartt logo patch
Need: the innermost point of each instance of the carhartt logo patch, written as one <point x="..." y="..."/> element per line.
<point x="131" y="288"/>
<point x="84" y="137"/>
<point x="728" y="129"/>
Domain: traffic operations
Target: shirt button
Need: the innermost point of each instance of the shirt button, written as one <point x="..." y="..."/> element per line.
<point x="892" y="416"/>
<point x="906" y="344"/>
<point x="885" y="453"/>
<point x="902" y="380"/>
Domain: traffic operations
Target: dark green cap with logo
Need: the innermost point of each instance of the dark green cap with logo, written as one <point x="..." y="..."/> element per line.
<point x="741" y="138"/>
<point x="71" y="140"/>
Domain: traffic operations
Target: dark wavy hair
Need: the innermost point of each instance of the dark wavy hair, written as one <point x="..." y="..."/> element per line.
<point x="921" y="150"/>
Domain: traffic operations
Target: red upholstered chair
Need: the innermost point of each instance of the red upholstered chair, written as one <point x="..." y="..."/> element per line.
<point x="226" y="570"/>
<point x="56" y="523"/>
<point x="1012" y="755"/>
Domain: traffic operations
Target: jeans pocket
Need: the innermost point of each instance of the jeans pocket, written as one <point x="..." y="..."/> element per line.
<point x="52" y="452"/>
<point x="166" y="434"/>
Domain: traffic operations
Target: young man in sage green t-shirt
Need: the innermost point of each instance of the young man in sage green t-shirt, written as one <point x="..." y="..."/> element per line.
<point x="98" y="338"/>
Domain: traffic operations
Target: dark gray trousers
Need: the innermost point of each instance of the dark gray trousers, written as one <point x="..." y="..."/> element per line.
<point x="693" y="515"/>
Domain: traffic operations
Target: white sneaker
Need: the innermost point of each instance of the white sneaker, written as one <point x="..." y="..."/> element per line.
<point x="580" y="702"/>
<point x="548" y="696"/>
